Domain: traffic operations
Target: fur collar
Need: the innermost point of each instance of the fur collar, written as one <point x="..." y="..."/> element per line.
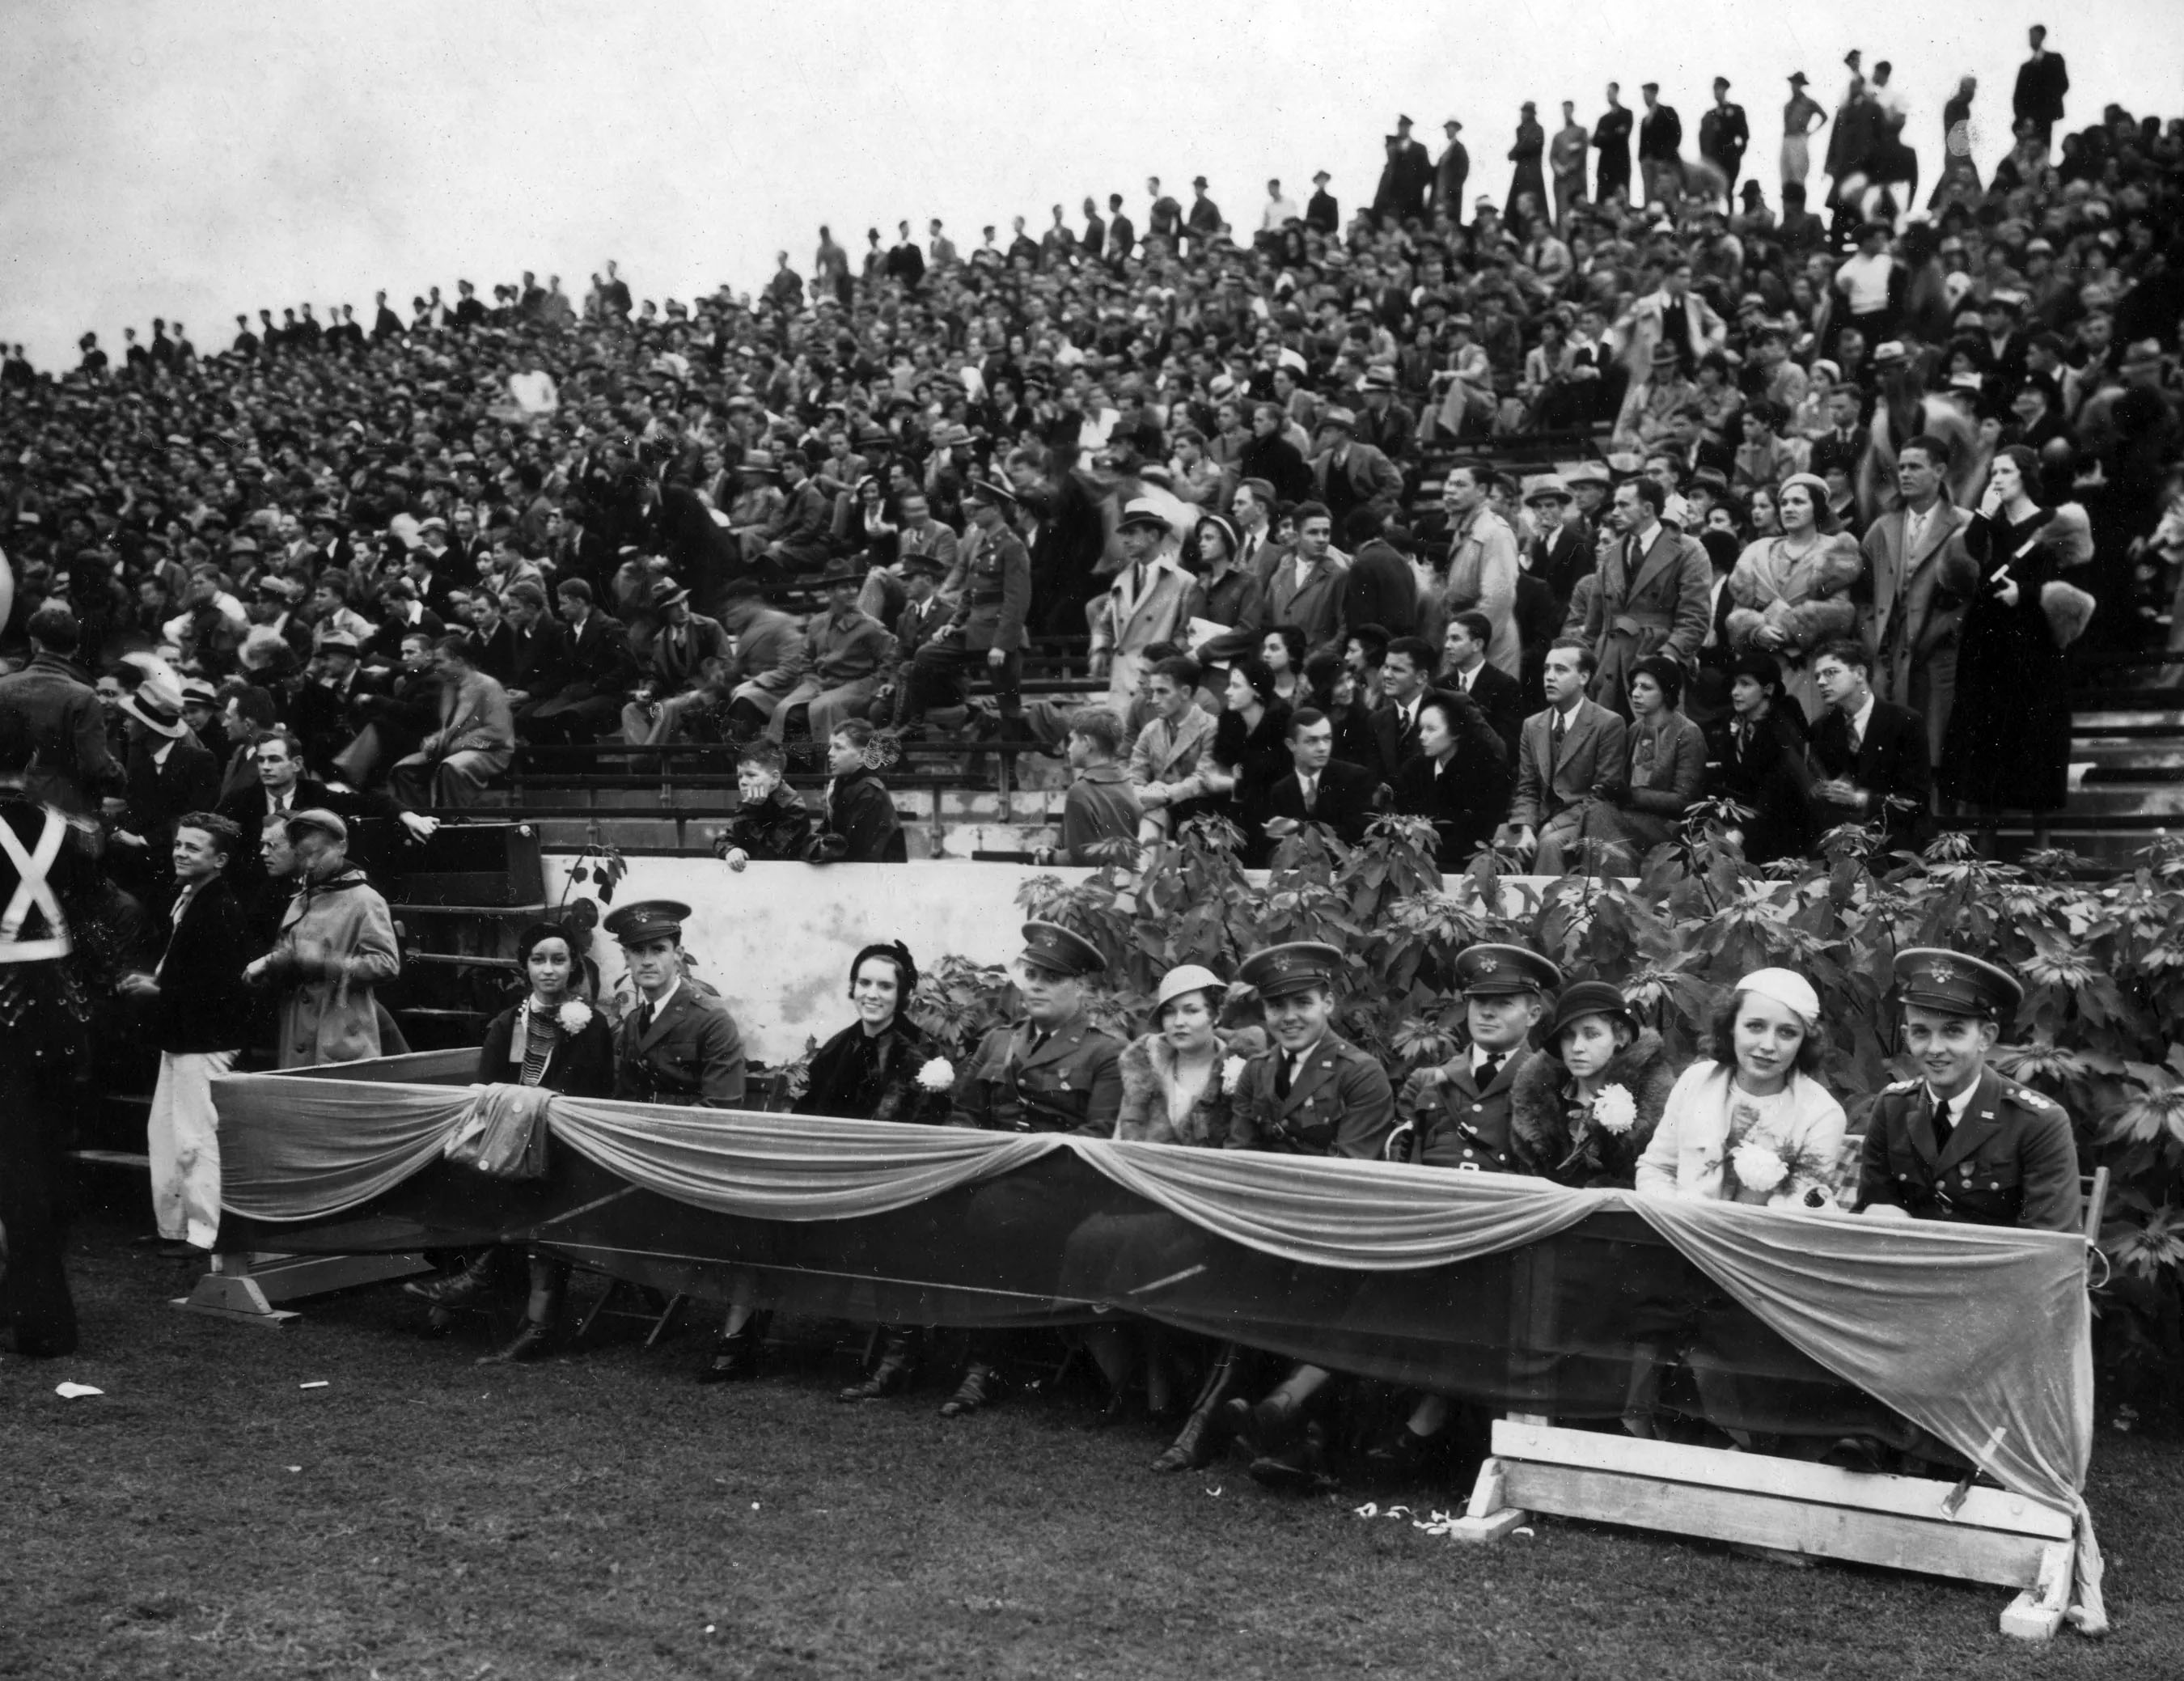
<point x="1544" y="1138"/>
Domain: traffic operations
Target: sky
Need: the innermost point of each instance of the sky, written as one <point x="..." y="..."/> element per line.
<point x="196" y="160"/>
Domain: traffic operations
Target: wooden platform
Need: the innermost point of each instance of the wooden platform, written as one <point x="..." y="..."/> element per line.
<point x="1917" y="1525"/>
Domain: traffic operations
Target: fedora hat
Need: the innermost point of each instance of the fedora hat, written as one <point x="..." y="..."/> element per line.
<point x="842" y="570"/>
<point x="157" y="702"/>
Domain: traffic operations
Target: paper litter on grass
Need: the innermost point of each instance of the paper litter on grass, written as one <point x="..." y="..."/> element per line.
<point x="75" y="1391"/>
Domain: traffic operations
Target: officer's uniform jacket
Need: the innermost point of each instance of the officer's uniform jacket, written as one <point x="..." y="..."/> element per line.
<point x="996" y="594"/>
<point x="1447" y="1122"/>
<point x="1072" y="1083"/>
<point x="2010" y="1161"/>
<point x="692" y="1054"/>
<point x="1340" y="1104"/>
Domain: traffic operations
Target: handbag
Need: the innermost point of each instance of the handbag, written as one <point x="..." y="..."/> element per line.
<point x="503" y="1132"/>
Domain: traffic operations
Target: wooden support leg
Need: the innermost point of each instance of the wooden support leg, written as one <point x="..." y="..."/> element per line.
<point x="239" y="1300"/>
<point x="1489" y="1517"/>
<point x="2038" y="1612"/>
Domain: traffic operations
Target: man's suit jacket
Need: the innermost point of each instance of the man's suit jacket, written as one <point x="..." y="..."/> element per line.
<point x="542" y="659"/>
<point x="1918" y="608"/>
<point x="1381" y="590"/>
<point x="1375" y="481"/>
<point x="1317" y="608"/>
<point x="599" y="659"/>
<point x="1347" y="798"/>
<point x="1560" y="560"/>
<point x="692" y="1054"/>
<point x="1891" y="763"/>
<point x="2041" y="83"/>
<point x="1452" y="1123"/>
<point x="1124" y="624"/>
<point x="203" y="1005"/>
<point x="159" y="793"/>
<point x="1501" y="696"/>
<point x="1595" y="750"/>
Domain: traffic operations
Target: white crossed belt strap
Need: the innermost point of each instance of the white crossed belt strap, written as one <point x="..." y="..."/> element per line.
<point x="33" y="891"/>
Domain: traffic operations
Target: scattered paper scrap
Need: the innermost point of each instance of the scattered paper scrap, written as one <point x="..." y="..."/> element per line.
<point x="295" y="1468"/>
<point x="320" y="1384"/>
<point x="75" y="1391"/>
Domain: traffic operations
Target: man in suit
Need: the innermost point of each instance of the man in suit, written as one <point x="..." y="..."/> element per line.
<point x="1379" y="588"/>
<point x="1655" y="593"/>
<point x="1056" y="1070"/>
<point x="1384" y="422"/>
<point x="1564" y="754"/>
<point x="1452" y="170"/>
<point x="200" y="1021"/>
<point x="74" y="766"/>
<point x="1271" y="456"/>
<point x="1465" y="670"/>
<point x="1562" y="552"/>
<point x="1143" y="606"/>
<point x="475" y="741"/>
<point x="1406" y="676"/>
<point x="1922" y="578"/>
<point x="1660" y="148"/>
<point x="2042" y="80"/>
<point x="1960" y="1142"/>
<point x="1724" y="134"/>
<point x="1347" y="475"/>
<point x="1611" y="138"/>
<point x="1310" y="1094"/>
<point x="1871" y="752"/>
<point x="1317" y="788"/>
<point x="600" y="673"/>
<point x="1406" y="178"/>
<point x="1305" y="588"/>
<point x="168" y="773"/>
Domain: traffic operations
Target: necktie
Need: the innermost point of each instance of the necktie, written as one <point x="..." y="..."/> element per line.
<point x="1137" y="584"/>
<point x="1856" y="737"/>
<point x="1282" y="1078"/>
<point x="1555" y="736"/>
<point x="644" y="1018"/>
<point x="1039" y="1038"/>
<point x="1940" y="1121"/>
<point x="1311" y="793"/>
<point x="1489" y="1066"/>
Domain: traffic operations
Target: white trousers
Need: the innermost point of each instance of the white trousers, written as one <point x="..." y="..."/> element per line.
<point x="184" y="1144"/>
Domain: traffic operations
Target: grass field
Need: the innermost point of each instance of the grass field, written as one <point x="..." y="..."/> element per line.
<point x="601" y="1514"/>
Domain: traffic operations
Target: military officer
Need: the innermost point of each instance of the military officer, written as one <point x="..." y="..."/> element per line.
<point x="679" y="1045"/>
<point x="1056" y="1071"/>
<point x="1313" y="1093"/>
<point x="988" y="628"/>
<point x="1961" y="1143"/>
<point x="1458" y="1114"/>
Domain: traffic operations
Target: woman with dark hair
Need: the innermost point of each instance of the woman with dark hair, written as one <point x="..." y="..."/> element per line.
<point x="883" y="1066"/>
<point x="871" y="1070"/>
<point x="2009" y="740"/>
<point x="1664" y="773"/>
<point x="1749" y="1122"/>
<point x="1755" y="756"/>
<point x="1791" y="593"/>
<point x="1583" y="1111"/>
<point x="1250" y="746"/>
<point x="1459" y="778"/>
<point x="858" y="824"/>
<point x="554" y="1040"/>
<point x="1283" y="649"/>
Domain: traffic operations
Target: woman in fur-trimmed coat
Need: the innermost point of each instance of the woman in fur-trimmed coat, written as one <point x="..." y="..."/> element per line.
<point x="1790" y="593"/>
<point x="1158" y="1109"/>
<point x="1551" y="1133"/>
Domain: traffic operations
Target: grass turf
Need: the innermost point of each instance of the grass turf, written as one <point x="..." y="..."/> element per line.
<point x="601" y="1514"/>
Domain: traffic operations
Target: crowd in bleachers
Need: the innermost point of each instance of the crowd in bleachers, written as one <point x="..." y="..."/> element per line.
<point x="1543" y="519"/>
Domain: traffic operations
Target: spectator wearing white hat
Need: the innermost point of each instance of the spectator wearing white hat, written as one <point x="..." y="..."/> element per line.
<point x="336" y="945"/>
<point x="1142" y="606"/>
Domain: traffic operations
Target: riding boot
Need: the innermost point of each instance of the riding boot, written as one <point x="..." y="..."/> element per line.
<point x="980" y="1386"/>
<point x="460" y="1289"/>
<point x="540" y="1331"/>
<point x="1199" y="1439"/>
<point x="899" y="1347"/>
<point x="734" y="1359"/>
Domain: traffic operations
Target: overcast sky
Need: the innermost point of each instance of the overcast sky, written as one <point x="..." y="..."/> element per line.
<point x="193" y="160"/>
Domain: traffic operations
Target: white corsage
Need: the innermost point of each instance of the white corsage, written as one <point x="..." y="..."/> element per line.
<point x="1232" y="1072"/>
<point x="1614" y="1109"/>
<point x="573" y="1017"/>
<point x="1758" y="1167"/>
<point x="938" y="1074"/>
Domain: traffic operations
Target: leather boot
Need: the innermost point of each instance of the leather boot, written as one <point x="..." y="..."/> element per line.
<point x="897" y="1354"/>
<point x="460" y="1289"/>
<point x="1199" y="1439"/>
<point x="734" y="1359"/>
<point x="979" y="1389"/>
<point x="533" y="1341"/>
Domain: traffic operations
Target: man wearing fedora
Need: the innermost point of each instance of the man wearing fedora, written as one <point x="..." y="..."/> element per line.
<point x="1142" y="606"/>
<point x="1958" y="1142"/>
<point x="1406" y="177"/>
<point x="1310" y="1094"/>
<point x="1056" y="1070"/>
<point x="1561" y="550"/>
<point x="1347" y="475"/>
<point x="1384" y="422"/>
<point x="847" y="655"/>
<point x="169" y="772"/>
<point x="1321" y="212"/>
<point x="336" y="945"/>
<point x="757" y="504"/>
